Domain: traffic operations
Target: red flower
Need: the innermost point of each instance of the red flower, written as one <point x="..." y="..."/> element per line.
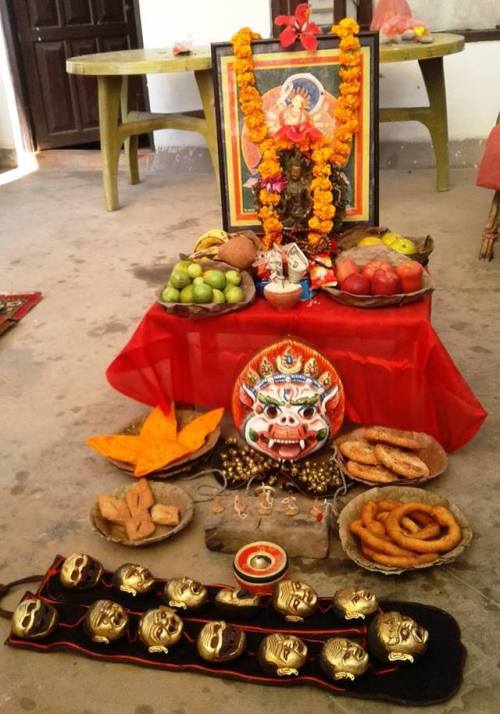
<point x="298" y="27"/>
<point x="298" y="132"/>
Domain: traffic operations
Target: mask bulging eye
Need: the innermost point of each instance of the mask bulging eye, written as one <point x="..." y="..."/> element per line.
<point x="271" y="411"/>
<point x="308" y="412"/>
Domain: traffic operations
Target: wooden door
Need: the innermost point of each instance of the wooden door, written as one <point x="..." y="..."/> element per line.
<point x="63" y="107"/>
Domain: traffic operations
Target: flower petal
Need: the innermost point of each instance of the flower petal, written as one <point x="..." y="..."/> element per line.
<point x="287" y="37"/>
<point x="284" y="20"/>
<point x="309" y="41"/>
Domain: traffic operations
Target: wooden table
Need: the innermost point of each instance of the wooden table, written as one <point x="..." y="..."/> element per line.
<point x="120" y="126"/>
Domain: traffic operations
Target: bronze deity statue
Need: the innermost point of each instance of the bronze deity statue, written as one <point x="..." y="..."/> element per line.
<point x="133" y="579"/>
<point x="33" y="619"/>
<point x="237" y="603"/>
<point x="185" y="593"/>
<point x="105" y="621"/>
<point x="354" y="604"/>
<point x="80" y="572"/>
<point x="160" y="629"/>
<point x="294" y="600"/>
<point x="341" y="658"/>
<point x="282" y="655"/>
<point x="220" y="642"/>
<point x="393" y="637"/>
<point x="295" y="206"/>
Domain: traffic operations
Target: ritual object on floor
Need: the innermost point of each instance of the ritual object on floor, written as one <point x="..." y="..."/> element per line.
<point x="14" y="306"/>
<point x="390" y="530"/>
<point x="259" y="566"/>
<point x="160" y="442"/>
<point x="80" y="572"/>
<point x="354" y="603"/>
<point x="133" y="579"/>
<point x="206" y="288"/>
<point x="237" y="603"/>
<point x="106" y="621"/>
<point x="342" y="658"/>
<point x="294" y="600"/>
<point x="376" y="276"/>
<point x="220" y="642"/>
<point x="282" y="655"/>
<point x="393" y="637"/>
<point x="159" y="629"/>
<point x="141" y="515"/>
<point x="380" y="455"/>
<point x="288" y="401"/>
<point x="185" y="594"/>
<point x="267" y="650"/>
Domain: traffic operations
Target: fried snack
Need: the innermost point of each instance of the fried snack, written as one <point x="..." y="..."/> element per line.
<point x="359" y="451"/>
<point x="193" y="435"/>
<point x="383" y="436"/>
<point x="113" y="509"/>
<point x="139" y="497"/>
<point x="440" y="514"/>
<point x="370" y="540"/>
<point x="369" y="513"/>
<point x="401" y="462"/>
<point x="139" y="526"/>
<point x="399" y="561"/>
<point x="164" y="515"/>
<point x="376" y="474"/>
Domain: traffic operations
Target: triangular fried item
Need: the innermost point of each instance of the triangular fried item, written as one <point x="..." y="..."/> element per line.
<point x="159" y="426"/>
<point x="157" y="456"/>
<point x="193" y="435"/>
<point x="121" y="447"/>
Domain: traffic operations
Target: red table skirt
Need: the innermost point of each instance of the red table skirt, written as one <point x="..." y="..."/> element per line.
<point x="395" y="370"/>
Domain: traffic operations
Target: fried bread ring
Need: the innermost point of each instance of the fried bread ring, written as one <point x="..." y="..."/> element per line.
<point x="401" y="462"/>
<point x="375" y="474"/>
<point x="441" y="515"/>
<point x="378" y="543"/>
<point x="399" y="561"/>
<point x="369" y="512"/>
<point x="386" y="437"/>
<point x="360" y="451"/>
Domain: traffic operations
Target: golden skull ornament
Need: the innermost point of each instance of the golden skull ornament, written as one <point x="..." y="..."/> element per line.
<point x="393" y="637"/>
<point x="294" y="600"/>
<point x="220" y="642"/>
<point x="106" y="621"/>
<point x="80" y="572"/>
<point x="341" y="658"/>
<point x="160" y="629"/>
<point x="354" y="603"/>
<point x="33" y="619"/>
<point x="133" y="579"/>
<point x="185" y="593"/>
<point x="282" y="655"/>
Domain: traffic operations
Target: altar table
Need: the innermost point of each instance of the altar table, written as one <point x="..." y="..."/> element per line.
<point x="395" y="370"/>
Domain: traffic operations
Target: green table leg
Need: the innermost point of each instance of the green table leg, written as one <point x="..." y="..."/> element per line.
<point x="205" y="83"/>
<point x="131" y="143"/>
<point x="437" y="121"/>
<point x="109" y="89"/>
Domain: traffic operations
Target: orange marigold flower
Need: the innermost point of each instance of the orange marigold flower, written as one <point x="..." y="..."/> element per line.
<point x="269" y="198"/>
<point x="257" y="135"/>
<point x="243" y="65"/>
<point x="250" y="94"/>
<point x="350" y="87"/>
<point x="349" y="43"/>
<point x="313" y="238"/>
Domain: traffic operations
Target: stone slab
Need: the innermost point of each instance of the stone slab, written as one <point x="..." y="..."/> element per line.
<point x="301" y="535"/>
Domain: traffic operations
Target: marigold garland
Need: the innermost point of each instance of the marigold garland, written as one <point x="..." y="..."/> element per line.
<point x="323" y="151"/>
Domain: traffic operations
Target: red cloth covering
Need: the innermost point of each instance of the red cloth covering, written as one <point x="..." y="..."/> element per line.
<point x="488" y="174"/>
<point x="394" y="368"/>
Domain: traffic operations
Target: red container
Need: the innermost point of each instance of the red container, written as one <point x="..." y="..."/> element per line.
<point x="258" y="566"/>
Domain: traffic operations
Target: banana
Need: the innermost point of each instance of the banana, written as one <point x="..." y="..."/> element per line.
<point x="211" y="239"/>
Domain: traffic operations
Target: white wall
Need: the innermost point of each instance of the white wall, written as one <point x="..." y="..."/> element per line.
<point x="202" y="22"/>
<point x="6" y="133"/>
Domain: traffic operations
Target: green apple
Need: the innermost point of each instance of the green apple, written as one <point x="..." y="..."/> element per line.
<point x="198" y="281"/>
<point x="182" y="265"/>
<point x="218" y="297"/>
<point x="187" y="294"/>
<point x="194" y="270"/>
<point x="215" y="278"/>
<point x="202" y="294"/>
<point x="233" y="277"/>
<point x="404" y="246"/>
<point x="170" y="294"/>
<point x="179" y="279"/>
<point x="234" y="293"/>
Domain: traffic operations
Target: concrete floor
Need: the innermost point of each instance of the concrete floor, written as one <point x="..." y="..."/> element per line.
<point x="99" y="272"/>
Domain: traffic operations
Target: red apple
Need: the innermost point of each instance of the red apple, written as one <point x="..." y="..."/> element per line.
<point x="374" y="265"/>
<point x="410" y="273"/>
<point x="345" y="267"/>
<point x="356" y="283"/>
<point x="384" y="283"/>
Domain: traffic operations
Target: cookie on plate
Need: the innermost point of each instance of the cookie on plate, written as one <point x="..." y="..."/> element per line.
<point x="375" y="474"/>
<point x="405" y="464"/>
<point x="384" y="436"/>
<point x="360" y="451"/>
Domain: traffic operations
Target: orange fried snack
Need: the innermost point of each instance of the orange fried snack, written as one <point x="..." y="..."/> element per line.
<point x="159" y="426"/>
<point x="120" y="447"/>
<point x="193" y="435"/>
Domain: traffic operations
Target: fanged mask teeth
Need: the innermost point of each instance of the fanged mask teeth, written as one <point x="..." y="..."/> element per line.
<point x="302" y="444"/>
<point x="271" y="443"/>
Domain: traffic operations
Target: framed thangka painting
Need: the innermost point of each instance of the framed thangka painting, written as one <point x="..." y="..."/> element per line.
<point x="297" y="87"/>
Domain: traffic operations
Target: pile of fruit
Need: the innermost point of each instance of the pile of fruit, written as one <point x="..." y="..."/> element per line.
<point x="394" y="241"/>
<point x="378" y="277"/>
<point x="190" y="283"/>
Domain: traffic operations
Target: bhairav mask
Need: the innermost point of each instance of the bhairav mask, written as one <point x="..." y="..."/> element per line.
<point x="288" y="401"/>
<point x="237" y="603"/>
<point x="33" y="619"/>
<point x="133" y="579"/>
<point x="352" y="604"/>
<point x="220" y="642"/>
<point x="343" y="659"/>
<point x="80" y="572"/>
<point x="393" y="637"/>
<point x="185" y="593"/>
<point x="282" y="655"/>
<point x="294" y="600"/>
<point x="106" y="621"/>
<point x="160" y="628"/>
